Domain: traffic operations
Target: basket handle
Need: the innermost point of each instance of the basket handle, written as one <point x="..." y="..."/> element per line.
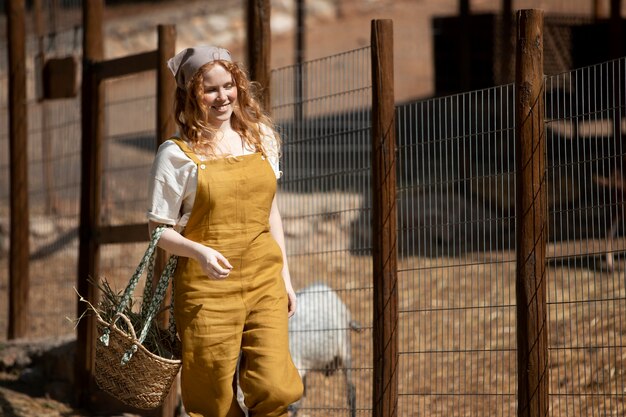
<point x="155" y="303"/>
<point x="159" y="296"/>
<point x="129" y="353"/>
<point x="128" y="324"/>
<point x="147" y="259"/>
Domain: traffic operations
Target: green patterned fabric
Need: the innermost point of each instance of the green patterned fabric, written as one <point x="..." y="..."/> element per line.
<point x="151" y="303"/>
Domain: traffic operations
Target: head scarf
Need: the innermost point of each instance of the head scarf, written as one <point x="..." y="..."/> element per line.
<point x="187" y="62"/>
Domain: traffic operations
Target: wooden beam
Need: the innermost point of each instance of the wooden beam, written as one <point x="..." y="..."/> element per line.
<point x="507" y="50"/>
<point x="464" y="8"/>
<point x="616" y="40"/>
<point x="127" y="233"/>
<point x="166" y="127"/>
<point x="596" y="9"/>
<point x="18" y="156"/>
<point x="300" y="54"/>
<point x="259" y="47"/>
<point x="465" y="46"/>
<point x="119" y="67"/>
<point x="166" y="86"/>
<point x="92" y="108"/>
<point x="531" y="217"/>
<point x="384" y="248"/>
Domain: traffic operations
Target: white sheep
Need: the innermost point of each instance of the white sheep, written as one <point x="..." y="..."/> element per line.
<point x="319" y="339"/>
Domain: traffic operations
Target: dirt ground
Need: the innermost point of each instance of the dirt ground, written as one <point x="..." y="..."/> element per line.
<point x="456" y="334"/>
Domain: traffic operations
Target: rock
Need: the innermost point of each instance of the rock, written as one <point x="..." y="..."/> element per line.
<point x="12" y="357"/>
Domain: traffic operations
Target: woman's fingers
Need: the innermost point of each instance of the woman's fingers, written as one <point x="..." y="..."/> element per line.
<point x="222" y="260"/>
<point x="291" y="308"/>
<point x="214" y="264"/>
<point x="220" y="267"/>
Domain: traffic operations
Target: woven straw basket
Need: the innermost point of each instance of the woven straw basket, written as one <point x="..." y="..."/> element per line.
<point x="124" y="367"/>
<point x="144" y="381"/>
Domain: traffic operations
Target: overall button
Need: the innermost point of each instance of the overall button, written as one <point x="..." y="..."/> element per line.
<point x="202" y="166"/>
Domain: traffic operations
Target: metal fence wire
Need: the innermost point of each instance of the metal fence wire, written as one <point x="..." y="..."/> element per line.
<point x="586" y="284"/>
<point x="456" y="242"/>
<point x="129" y="147"/>
<point x="54" y="193"/>
<point x="324" y="203"/>
<point x="456" y="211"/>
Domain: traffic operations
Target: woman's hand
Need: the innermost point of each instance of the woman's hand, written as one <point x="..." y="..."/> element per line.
<point x="213" y="264"/>
<point x="291" y="308"/>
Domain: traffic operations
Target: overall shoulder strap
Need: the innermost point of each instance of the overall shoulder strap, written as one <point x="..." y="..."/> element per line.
<point x="186" y="149"/>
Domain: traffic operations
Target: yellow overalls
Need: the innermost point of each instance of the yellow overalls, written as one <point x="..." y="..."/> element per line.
<point x="246" y="312"/>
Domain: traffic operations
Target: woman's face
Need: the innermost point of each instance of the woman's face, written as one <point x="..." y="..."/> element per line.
<point x="219" y="95"/>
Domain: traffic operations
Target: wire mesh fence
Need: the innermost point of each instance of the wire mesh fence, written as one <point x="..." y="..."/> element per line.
<point x="54" y="136"/>
<point x="129" y="146"/>
<point x="54" y="183"/>
<point x="324" y="203"/>
<point x="456" y="241"/>
<point x="586" y="150"/>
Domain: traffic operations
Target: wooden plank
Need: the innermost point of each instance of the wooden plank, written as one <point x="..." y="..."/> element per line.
<point x="531" y="218"/>
<point x="126" y="65"/>
<point x="127" y="233"/>
<point x="384" y="248"/>
<point x="18" y="156"/>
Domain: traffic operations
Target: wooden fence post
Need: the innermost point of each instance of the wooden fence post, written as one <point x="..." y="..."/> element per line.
<point x="384" y="248"/>
<point x="18" y="156"/>
<point x="596" y="10"/>
<point x="46" y="136"/>
<point x="298" y="81"/>
<point x="166" y="127"/>
<point x="506" y="44"/>
<point x="616" y="41"/>
<point x="92" y="108"/>
<point x="531" y="216"/>
<point x="259" y="47"/>
<point x="465" y="43"/>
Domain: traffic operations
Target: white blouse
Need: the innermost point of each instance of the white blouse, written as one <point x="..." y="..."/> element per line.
<point x="174" y="180"/>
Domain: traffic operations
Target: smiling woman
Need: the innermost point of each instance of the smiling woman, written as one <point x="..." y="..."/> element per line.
<point x="220" y="94"/>
<point x="215" y="186"/>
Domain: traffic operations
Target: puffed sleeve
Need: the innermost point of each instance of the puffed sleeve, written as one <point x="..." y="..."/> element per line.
<point x="168" y="186"/>
<point x="272" y="149"/>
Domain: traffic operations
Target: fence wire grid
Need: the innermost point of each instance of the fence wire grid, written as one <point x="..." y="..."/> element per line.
<point x="456" y="242"/>
<point x="322" y="109"/>
<point x="54" y="194"/>
<point x="586" y="285"/>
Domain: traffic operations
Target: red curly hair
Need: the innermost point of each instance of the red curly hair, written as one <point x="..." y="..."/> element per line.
<point x="248" y="119"/>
